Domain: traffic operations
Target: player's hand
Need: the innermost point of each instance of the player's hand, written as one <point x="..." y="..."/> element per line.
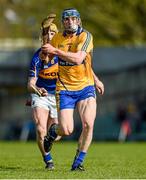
<point x="48" y="48"/>
<point x="99" y="86"/>
<point x="43" y="56"/>
<point x="43" y="91"/>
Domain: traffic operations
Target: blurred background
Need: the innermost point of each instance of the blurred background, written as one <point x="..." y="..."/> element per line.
<point x="119" y="30"/>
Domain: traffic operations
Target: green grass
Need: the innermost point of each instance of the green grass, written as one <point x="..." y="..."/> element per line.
<point x="104" y="160"/>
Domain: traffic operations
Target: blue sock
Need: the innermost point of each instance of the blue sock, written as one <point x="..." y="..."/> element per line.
<point x="79" y="159"/>
<point x="47" y="158"/>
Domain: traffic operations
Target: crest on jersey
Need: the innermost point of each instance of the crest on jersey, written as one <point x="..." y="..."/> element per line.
<point x="52" y="61"/>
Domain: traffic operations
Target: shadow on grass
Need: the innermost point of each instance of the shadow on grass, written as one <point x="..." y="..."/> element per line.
<point x="2" y="168"/>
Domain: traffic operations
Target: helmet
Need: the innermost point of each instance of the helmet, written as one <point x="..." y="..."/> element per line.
<point x="53" y="27"/>
<point x="70" y="12"/>
<point x="46" y="27"/>
<point x="46" y="23"/>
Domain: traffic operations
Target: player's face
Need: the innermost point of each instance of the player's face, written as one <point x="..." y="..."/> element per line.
<point x="50" y="34"/>
<point x="70" y="23"/>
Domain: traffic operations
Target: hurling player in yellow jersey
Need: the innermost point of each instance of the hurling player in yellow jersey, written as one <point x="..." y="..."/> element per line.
<point x="75" y="84"/>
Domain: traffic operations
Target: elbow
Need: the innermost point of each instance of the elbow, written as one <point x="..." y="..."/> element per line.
<point x="79" y="61"/>
<point x="80" y="57"/>
<point x="28" y="87"/>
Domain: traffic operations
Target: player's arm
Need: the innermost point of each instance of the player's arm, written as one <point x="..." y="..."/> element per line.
<point x="85" y="44"/>
<point x="33" y="75"/>
<point x="32" y="88"/>
<point x="76" y="58"/>
<point x="98" y="84"/>
<point x="31" y="84"/>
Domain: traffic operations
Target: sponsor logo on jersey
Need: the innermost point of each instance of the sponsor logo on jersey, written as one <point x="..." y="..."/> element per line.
<point x="65" y="63"/>
<point x="53" y="74"/>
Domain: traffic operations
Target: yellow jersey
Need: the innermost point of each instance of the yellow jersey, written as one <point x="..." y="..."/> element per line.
<point x="73" y="77"/>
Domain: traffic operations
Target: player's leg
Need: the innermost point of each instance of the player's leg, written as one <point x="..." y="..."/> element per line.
<point x="64" y="128"/>
<point x="87" y="111"/>
<point x="66" y="124"/>
<point x="53" y="115"/>
<point x="53" y="121"/>
<point x="65" y="119"/>
<point x="40" y="116"/>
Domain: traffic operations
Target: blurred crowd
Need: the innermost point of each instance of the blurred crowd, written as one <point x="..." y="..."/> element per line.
<point x="132" y="118"/>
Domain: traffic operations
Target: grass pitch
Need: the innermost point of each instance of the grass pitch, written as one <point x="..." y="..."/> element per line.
<point x="104" y="161"/>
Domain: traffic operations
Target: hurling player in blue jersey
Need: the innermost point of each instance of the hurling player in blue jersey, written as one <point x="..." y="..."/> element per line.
<point x="41" y="84"/>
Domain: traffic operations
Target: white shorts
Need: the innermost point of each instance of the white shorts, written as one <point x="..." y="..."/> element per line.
<point x="46" y="102"/>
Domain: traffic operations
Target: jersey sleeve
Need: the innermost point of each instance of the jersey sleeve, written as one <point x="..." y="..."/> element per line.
<point x="33" y="69"/>
<point x="85" y="42"/>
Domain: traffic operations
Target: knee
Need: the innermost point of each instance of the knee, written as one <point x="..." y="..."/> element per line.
<point x="66" y="131"/>
<point x="88" y="126"/>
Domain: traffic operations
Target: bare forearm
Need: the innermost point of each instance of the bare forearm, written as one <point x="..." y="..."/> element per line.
<point x="31" y="83"/>
<point x="76" y="58"/>
<point x="72" y="57"/>
<point x="98" y="84"/>
<point x="94" y="76"/>
<point x="32" y="88"/>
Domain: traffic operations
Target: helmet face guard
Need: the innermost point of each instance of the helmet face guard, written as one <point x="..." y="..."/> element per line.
<point x="45" y="34"/>
<point x="71" y="13"/>
<point x="45" y="31"/>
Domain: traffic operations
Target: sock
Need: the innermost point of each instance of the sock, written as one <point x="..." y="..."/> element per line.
<point x="79" y="159"/>
<point x="48" y="158"/>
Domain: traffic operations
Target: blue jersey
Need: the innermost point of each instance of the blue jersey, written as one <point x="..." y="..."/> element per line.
<point x="46" y="74"/>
